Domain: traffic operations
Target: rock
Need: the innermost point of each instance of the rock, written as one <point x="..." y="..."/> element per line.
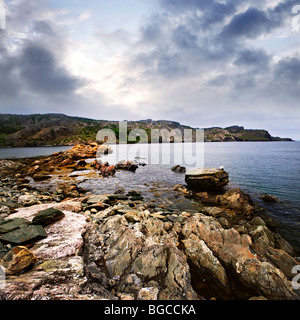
<point x="97" y="199"/>
<point x="116" y="197"/>
<point x="179" y="169"/>
<point x="237" y="200"/>
<point x="148" y="294"/>
<point x="132" y="217"/>
<point x="18" y="259"/>
<point x="34" y="170"/>
<point x="80" y="152"/>
<point x="47" y="216"/>
<point x="41" y="177"/>
<point x="213" y="211"/>
<point x="3" y="250"/>
<point x="61" y="276"/>
<point x="12" y="224"/>
<point x="283" y="261"/>
<point x="206" y="179"/>
<point x="136" y="252"/>
<point x="269" y="198"/>
<point x="4" y="210"/>
<point x="103" y="150"/>
<point x="181" y="188"/>
<point x="107" y="171"/>
<point x="61" y="279"/>
<point x="64" y="238"/>
<point x="81" y="163"/>
<point x="127" y="296"/>
<point x="27" y="200"/>
<point x="97" y="206"/>
<point x="248" y="272"/>
<point x="260" y="298"/>
<point x="126" y="165"/>
<point x="24" y="235"/>
<point x="68" y="190"/>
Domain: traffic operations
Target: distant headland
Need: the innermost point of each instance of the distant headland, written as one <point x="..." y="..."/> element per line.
<point x="39" y="130"/>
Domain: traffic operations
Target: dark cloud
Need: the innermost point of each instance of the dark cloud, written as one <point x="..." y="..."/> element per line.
<point x="40" y="70"/>
<point x="31" y="69"/>
<point x="253" y="58"/>
<point x="249" y="24"/>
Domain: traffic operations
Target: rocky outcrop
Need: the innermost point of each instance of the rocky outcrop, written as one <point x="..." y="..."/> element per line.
<point x="59" y="274"/>
<point x="114" y="247"/>
<point x="234" y="199"/>
<point x="140" y="255"/>
<point x="206" y="179"/>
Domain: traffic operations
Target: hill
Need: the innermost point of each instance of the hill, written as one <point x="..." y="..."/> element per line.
<point x="58" y="129"/>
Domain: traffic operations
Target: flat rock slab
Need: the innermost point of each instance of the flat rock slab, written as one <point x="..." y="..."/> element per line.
<point x="24" y="235"/>
<point x="206" y="179"/>
<point x="12" y="224"/>
<point x="47" y="217"/>
<point x="30" y="212"/>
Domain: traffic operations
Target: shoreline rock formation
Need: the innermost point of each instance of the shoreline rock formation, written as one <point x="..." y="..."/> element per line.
<point x="121" y="252"/>
<point x="122" y="247"/>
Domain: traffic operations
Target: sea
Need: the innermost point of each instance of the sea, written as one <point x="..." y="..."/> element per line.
<point x="255" y="167"/>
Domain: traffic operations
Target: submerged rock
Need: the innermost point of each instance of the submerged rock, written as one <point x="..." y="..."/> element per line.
<point x="206" y="179"/>
<point x="269" y="198"/>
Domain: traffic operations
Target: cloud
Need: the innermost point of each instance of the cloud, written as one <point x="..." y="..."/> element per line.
<point x="85" y="15"/>
<point x="40" y="70"/>
<point x="32" y="58"/>
<point x="196" y="61"/>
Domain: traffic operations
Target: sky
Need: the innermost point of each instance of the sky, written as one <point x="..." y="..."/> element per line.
<point x="203" y="63"/>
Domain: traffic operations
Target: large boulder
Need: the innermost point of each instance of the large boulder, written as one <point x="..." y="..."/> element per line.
<point x="206" y="179"/>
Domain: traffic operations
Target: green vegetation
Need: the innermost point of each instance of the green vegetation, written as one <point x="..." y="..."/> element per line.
<point x="59" y="129"/>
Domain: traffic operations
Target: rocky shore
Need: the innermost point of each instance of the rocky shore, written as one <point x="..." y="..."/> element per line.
<point x="69" y="244"/>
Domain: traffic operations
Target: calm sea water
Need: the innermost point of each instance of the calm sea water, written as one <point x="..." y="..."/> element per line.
<point x="19" y="153"/>
<point x="255" y="167"/>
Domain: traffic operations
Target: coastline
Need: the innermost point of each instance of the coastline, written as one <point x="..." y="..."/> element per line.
<point x="108" y="241"/>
